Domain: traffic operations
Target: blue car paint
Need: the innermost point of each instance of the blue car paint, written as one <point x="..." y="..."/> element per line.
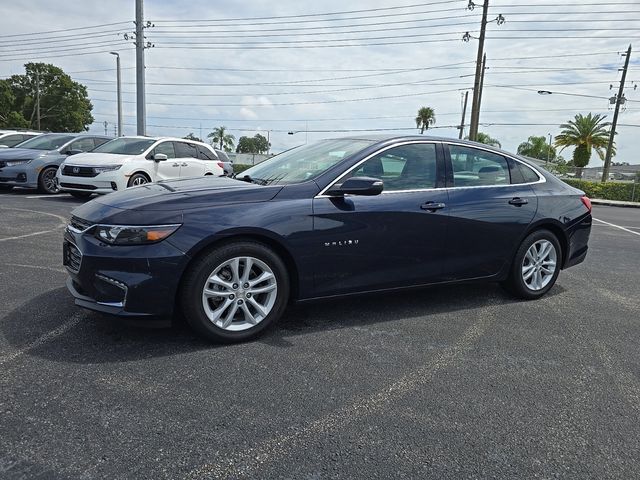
<point x="331" y="246"/>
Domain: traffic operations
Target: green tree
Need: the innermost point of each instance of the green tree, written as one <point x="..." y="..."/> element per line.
<point x="261" y="143"/>
<point x="537" y="147"/>
<point x="426" y="118"/>
<point x="585" y="134"/>
<point x="256" y="144"/>
<point x="222" y="139"/>
<point x="64" y="104"/>
<point x="487" y="140"/>
<point x="191" y="136"/>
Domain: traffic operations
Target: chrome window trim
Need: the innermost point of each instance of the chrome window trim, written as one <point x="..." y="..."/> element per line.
<point x="377" y="152"/>
<point x="541" y="178"/>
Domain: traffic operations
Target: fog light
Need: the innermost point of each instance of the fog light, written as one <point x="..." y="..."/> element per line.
<point x="114" y="186"/>
<point x="22" y="177"/>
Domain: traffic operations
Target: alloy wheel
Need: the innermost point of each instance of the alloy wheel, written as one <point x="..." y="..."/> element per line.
<point x="139" y="180"/>
<point x="49" y="180"/>
<point x="239" y="293"/>
<point x="539" y="265"/>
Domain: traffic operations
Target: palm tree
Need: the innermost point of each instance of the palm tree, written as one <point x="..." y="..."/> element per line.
<point x="585" y="134"/>
<point x="537" y="147"/>
<point x="425" y="119"/>
<point x="220" y="138"/>
<point x="487" y="140"/>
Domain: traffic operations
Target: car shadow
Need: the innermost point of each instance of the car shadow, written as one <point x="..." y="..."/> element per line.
<point x="98" y="338"/>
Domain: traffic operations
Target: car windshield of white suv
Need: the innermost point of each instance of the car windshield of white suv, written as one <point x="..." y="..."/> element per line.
<point x="302" y="163"/>
<point x="125" y="146"/>
<point x="45" y="142"/>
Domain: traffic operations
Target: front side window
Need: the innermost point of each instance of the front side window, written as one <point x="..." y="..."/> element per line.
<point x="473" y="167"/>
<point x="125" y="146"/>
<point x="82" y="144"/>
<point x="406" y="167"/>
<point x="166" y="148"/>
<point x="304" y="163"/>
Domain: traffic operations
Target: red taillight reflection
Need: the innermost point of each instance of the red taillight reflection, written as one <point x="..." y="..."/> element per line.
<point x="221" y="165"/>
<point x="586" y="201"/>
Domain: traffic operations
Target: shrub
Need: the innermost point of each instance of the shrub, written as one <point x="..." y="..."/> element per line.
<point x="239" y="167"/>
<point x="607" y="191"/>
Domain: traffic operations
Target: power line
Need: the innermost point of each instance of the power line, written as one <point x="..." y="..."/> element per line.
<point x="66" y="29"/>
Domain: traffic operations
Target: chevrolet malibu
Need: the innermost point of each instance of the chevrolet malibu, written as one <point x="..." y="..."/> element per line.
<point x="339" y="217"/>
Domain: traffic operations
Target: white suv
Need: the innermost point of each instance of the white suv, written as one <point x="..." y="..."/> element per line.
<point x="129" y="161"/>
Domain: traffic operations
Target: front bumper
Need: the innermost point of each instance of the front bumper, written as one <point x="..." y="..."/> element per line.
<point x="127" y="281"/>
<point x="102" y="183"/>
<point x="18" y="176"/>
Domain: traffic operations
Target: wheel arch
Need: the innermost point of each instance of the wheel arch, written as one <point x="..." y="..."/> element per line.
<point x="276" y="243"/>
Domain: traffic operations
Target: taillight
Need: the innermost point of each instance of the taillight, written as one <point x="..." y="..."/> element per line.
<point x="587" y="202"/>
<point x="221" y="165"/>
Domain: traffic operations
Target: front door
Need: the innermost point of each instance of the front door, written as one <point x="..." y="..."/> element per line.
<point x="166" y="169"/>
<point x="390" y="240"/>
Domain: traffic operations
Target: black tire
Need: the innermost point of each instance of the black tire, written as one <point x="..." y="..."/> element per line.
<point x="81" y="195"/>
<point x="47" y="181"/>
<point x="138" y="179"/>
<point x="6" y="188"/>
<point x="515" y="283"/>
<point x="196" y="277"/>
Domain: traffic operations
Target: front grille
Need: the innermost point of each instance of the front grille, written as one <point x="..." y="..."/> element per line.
<point x="79" y="186"/>
<point x="72" y="256"/>
<point x="72" y="171"/>
<point x="79" y="224"/>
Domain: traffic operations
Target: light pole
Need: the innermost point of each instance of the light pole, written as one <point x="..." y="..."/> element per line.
<point x="549" y="149"/>
<point x="119" y="92"/>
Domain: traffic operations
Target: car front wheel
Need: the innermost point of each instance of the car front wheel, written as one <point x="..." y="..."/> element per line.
<point x="235" y="292"/>
<point x="137" y="179"/>
<point x="536" y="266"/>
<point x="47" y="182"/>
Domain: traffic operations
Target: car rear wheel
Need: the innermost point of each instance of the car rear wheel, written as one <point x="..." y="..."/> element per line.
<point x="80" y="194"/>
<point x="235" y="292"/>
<point x="137" y="179"/>
<point x="536" y="266"/>
<point x="47" y="182"/>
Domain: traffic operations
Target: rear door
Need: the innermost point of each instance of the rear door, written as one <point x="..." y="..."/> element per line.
<point x="393" y="239"/>
<point x="190" y="164"/>
<point x="489" y="211"/>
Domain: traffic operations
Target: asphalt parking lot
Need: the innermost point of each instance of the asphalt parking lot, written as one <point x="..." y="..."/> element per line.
<point x="457" y="382"/>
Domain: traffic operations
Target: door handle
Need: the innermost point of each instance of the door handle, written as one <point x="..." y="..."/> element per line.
<point x="432" y="206"/>
<point x="184" y="165"/>
<point x="518" y="202"/>
<point x="175" y="165"/>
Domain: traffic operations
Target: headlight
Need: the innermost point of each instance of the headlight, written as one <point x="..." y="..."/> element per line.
<point x="12" y="163"/>
<point x="133" y="235"/>
<point x="106" y="168"/>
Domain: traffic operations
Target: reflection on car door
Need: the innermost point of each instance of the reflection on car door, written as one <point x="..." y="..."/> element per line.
<point x="392" y="239"/>
<point x="488" y="211"/>
<point x="187" y="156"/>
<point x="166" y="169"/>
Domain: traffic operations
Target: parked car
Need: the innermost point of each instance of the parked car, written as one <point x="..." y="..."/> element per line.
<point x="34" y="162"/>
<point x="131" y="161"/>
<point x="338" y="217"/>
<point x="225" y="162"/>
<point x="11" y="138"/>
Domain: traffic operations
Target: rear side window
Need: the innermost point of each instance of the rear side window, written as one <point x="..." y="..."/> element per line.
<point x="11" y="140"/>
<point x="204" y="153"/>
<point x="528" y="174"/>
<point x="185" y="150"/>
<point x="473" y="167"/>
<point x="99" y="141"/>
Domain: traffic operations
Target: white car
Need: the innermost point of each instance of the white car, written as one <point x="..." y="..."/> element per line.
<point x="11" y="138"/>
<point x="128" y="161"/>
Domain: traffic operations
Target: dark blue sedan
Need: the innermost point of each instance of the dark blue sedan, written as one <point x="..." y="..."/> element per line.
<point x="339" y="217"/>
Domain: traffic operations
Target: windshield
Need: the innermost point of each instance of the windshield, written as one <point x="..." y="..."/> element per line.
<point x="303" y="163"/>
<point x="46" y="142"/>
<point x="125" y="146"/>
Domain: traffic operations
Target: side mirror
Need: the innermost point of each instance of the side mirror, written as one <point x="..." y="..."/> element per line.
<point x="73" y="152"/>
<point x="159" y="157"/>
<point x="358" y="186"/>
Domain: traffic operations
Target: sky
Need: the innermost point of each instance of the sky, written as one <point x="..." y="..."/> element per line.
<point x="335" y="68"/>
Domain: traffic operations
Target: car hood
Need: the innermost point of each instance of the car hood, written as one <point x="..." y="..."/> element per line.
<point x="97" y="159"/>
<point x="187" y="194"/>
<point x="22" y="153"/>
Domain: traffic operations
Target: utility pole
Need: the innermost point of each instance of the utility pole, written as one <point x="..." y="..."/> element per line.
<point x="548" y="150"/>
<point x="464" y="113"/>
<point x="37" y="99"/>
<point x="119" y="88"/>
<point x="475" y="104"/>
<point x="106" y="125"/>
<point x="484" y="66"/>
<point x="141" y="114"/>
<point x="619" y="100"/>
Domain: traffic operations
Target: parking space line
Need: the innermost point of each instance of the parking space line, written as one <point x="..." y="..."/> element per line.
<point x="40" y="267"/>
<point x="73" y="321"/>
<point x="617" y="226"/>
<point x="63" y="223"/>
<point x="245" y="463"/>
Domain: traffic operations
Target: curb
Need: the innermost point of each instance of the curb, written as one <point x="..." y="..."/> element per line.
<point x="615" y="203"/>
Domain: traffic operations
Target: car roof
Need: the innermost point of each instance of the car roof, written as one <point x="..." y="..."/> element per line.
<point x="173" y="139"/>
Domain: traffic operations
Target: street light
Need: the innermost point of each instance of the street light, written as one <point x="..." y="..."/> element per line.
<point x="549" y="149"/>
<point x="119" y="92"/>
<point x="306" y="132"/>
